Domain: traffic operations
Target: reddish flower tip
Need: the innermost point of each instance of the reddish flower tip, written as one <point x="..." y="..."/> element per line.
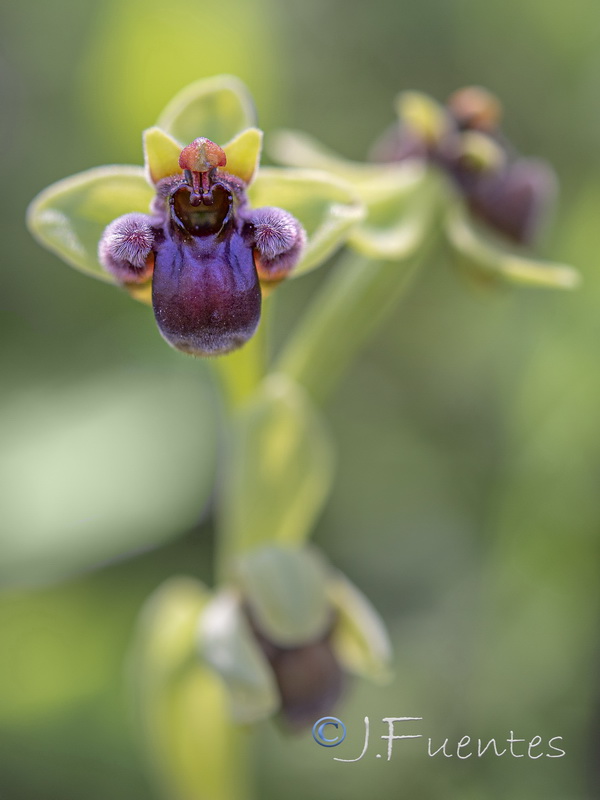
<point x="202" y="155"/>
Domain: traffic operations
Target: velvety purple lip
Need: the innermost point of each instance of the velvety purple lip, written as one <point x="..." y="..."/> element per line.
<point x="206" y="295"/>
<point x="205" y="291"/>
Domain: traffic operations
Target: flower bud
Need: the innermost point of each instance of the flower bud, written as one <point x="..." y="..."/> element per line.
<point x="475" y="108"/>
<point x="282" y="638"/>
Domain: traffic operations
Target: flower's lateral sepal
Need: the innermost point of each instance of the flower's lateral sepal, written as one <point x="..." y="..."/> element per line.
<point x="70" y="216"/>
<point x="371" y="182"/>
<point x="396" y="219"/>
<point x="487" y="259"/>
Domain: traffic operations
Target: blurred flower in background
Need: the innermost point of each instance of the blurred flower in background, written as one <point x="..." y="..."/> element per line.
<point x="511" y="194"/>
<point x="449" y="165"/>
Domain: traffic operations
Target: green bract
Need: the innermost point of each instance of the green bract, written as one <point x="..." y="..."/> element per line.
<point x="280" y="469"/>
<point x="70" y="216"/>
<point x="181" y="705"/>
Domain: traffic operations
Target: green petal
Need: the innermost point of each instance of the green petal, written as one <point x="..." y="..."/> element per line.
<point x="228" y="645"/>
<point x="88" y="476"/>
<point x="286" y="591"/>
<point x="217" y="108"/>
<point x="70" y="216"/>
<point x="327" y="207"/>
<point x="181" y="705"/>
<point x="280" y="470"/>
<point x="360" y="639"/>
<point x="481" y="152"/>
<point x="372" y="182"/>
<point x="243" y="154"/>
<point x="161" y="155"/>
<point x="423" y="115"/>
<point x="479" y="254"/>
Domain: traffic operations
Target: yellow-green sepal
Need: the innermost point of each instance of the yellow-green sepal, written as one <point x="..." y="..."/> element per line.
<point x="485" y="257"/>
<point x="423" y="115"/>
<point x="286" y="592"/>
<point x="371" y="182"/>
<point x="387" y="192"/>
<point x="217" y="108"/>
<point x="182" y="707"/>
<point x="360" y="639"/>
<point x="70" y="216"/>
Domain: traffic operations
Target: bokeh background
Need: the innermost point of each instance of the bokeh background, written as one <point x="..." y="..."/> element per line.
<point x="467" y="501"/>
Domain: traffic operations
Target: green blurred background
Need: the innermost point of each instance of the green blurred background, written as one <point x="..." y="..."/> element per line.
<point x="466" y="503"/>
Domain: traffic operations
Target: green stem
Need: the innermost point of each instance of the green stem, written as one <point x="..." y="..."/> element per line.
<point x="359" y="295"/>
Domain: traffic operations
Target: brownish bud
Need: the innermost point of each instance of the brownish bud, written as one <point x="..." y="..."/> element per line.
<point x="475" y="108"/>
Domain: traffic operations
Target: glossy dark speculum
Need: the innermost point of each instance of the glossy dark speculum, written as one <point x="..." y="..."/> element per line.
<point x="205" y="290"/>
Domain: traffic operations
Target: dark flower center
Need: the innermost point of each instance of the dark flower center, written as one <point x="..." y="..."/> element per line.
<point x="205" y="219"/>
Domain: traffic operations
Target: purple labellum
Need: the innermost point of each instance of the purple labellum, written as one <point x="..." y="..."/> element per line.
<point x="514" y="201"/>
<point x="205" y="291"/>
